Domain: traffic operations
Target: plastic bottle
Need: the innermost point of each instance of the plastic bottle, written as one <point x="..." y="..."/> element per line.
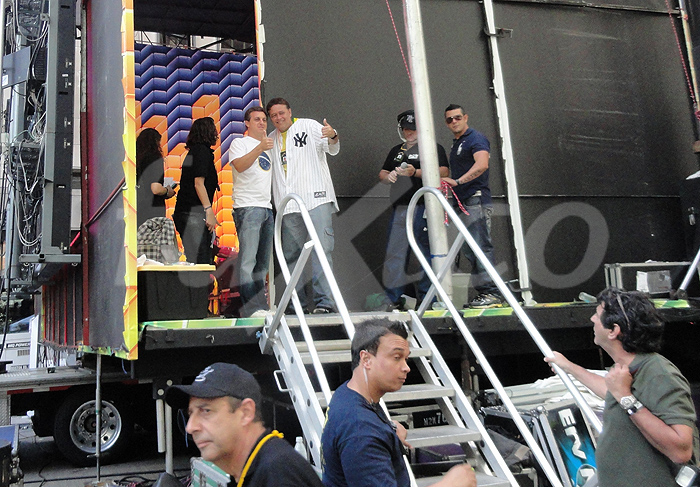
<point x="300" y="447"/>
<point x="586" y="298"/>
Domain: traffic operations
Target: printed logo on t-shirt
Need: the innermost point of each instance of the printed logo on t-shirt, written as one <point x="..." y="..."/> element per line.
<point x="300" y="139"/>
<point x="413" y="156"/>
<point x="319" y="194"/>
<point x="264" y="161"/>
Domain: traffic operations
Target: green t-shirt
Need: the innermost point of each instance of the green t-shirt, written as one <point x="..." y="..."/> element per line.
<point x="623" y="456"/>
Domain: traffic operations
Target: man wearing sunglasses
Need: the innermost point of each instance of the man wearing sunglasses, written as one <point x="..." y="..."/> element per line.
<point x="469" y="167"/>
<point x="649" y="419"/>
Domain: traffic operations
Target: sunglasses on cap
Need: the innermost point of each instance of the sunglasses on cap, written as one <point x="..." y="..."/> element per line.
<point x="456" y="117"/>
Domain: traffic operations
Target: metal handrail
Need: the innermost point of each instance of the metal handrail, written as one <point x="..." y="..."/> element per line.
<point x="527" y="323"/>
<point x="689" y="275"/>
<point x="313" y="245"/>
<point x="466" y="334"/>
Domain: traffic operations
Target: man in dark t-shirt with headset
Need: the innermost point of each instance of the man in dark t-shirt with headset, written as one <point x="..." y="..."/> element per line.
<point x="402" y="171"/>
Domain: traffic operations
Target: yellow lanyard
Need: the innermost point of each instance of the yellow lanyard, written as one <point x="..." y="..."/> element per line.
<point x="255" y="452"/>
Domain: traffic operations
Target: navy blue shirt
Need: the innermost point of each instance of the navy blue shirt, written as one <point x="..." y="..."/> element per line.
<point x="462" y="160"/>
<point x="360" y="447"/>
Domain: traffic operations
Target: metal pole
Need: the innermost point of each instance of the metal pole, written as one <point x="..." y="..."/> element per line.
<point x="98" y="414"/>
<point x="169" y="439"/>
<point x="689" y="274"/>
<point x="507" y="154"/>
<point x="427" y="145"/>
<point x="689" y="50"/>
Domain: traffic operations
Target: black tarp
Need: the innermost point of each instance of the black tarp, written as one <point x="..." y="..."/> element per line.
<point x="106" y="101"/>
<point x="599" y="110"/>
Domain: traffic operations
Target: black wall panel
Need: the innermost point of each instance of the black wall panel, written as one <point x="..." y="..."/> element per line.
<point x="595" y="109"/>
<point x="106" y="153"/>
<point x="599" y="113"/>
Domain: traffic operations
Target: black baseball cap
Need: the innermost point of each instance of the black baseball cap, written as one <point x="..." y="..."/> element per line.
<point x="217" y="380"/>
<point x="407" y="120"/>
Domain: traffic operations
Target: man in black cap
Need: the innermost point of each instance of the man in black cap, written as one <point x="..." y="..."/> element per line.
<point x="226" y="424"/>
<point x="402" y="171"/>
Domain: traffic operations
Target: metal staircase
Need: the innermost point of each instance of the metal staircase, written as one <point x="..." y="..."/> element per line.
<point x="303" y="359"/>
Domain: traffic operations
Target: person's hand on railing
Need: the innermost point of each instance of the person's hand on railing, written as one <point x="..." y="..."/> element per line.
<point x="559" y="360"/>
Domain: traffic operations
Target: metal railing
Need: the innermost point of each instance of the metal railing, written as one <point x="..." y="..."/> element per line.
<point x="436" y="288"/>
<point x="312" y="245"/>
<point x="682" y="292"/>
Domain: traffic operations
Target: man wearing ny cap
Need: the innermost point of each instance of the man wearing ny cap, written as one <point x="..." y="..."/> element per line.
<point x="226" y="424"/>
<point x="402" y="171"/>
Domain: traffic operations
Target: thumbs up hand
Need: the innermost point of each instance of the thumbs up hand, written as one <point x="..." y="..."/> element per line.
<point x="328" y="131"/>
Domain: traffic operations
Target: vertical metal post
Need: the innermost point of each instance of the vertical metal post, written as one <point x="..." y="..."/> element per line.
<point x="98" y="415"/>
<point x="168" y="439"/>
<point x="689" y="50"/>
<point x="507" y="154"/>
<point x="427" y="145"/>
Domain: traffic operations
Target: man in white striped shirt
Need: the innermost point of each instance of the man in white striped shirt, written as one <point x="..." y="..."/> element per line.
<point x="299" y="166"/>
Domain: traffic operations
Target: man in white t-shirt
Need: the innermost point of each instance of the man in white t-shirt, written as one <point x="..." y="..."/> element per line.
<point x="252" y="210"/>
<point x="299" y="166"/>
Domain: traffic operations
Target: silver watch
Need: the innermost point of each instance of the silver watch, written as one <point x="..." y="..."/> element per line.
<point x="630" y="404"/>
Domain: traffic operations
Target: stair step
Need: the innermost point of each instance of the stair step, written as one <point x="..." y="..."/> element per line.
<point x="331" y="356"/>
<point x="415" y="392"/>
<point x="336" y="319"/>
<point x="325" y="345"/>
<point x="482" y="480"/>
<point x="411" y="392"/>
<point x="440" y="435"/>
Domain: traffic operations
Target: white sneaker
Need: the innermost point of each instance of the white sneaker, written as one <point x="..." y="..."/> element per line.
<point x="261" y="313"/>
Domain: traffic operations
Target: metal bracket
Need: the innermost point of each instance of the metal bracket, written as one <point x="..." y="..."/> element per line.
<point x="500" y="32"/>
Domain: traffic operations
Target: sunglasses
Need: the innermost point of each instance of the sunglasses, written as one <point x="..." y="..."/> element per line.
<point x="456" y="117"/>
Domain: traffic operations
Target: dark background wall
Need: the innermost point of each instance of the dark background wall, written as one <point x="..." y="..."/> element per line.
<point x="600" y="118"/>
<point x="105" y="94"/>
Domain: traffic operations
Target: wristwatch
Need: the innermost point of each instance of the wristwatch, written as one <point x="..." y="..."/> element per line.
<point x="630" y="404"/>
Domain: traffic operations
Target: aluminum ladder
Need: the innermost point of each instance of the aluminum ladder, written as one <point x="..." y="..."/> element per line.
<point x="301" y="358"/>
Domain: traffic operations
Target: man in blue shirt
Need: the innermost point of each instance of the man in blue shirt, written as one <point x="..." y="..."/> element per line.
<point x="361" y="446"/>
<point x="469" y="166"/>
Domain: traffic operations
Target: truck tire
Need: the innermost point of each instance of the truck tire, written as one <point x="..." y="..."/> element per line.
<point x="75" y="427"/>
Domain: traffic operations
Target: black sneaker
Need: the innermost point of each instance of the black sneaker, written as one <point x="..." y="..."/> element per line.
<point x="321" y="310"/>
<point x="400" y="306"/>
<point x="291" y="311"/>
<point x="483" y="301"/>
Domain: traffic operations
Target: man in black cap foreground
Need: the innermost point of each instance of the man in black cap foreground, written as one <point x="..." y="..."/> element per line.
<point x="402" y="171"/>
<point x="226" y="424"/>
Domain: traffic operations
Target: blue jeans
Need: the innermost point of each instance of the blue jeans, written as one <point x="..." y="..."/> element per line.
<point x="255" y="227"/>
<point x="294" y="236"/>
<point x="478" y="222"/>
<point x="398" y="253"/>
<point x="195" y="236"/>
